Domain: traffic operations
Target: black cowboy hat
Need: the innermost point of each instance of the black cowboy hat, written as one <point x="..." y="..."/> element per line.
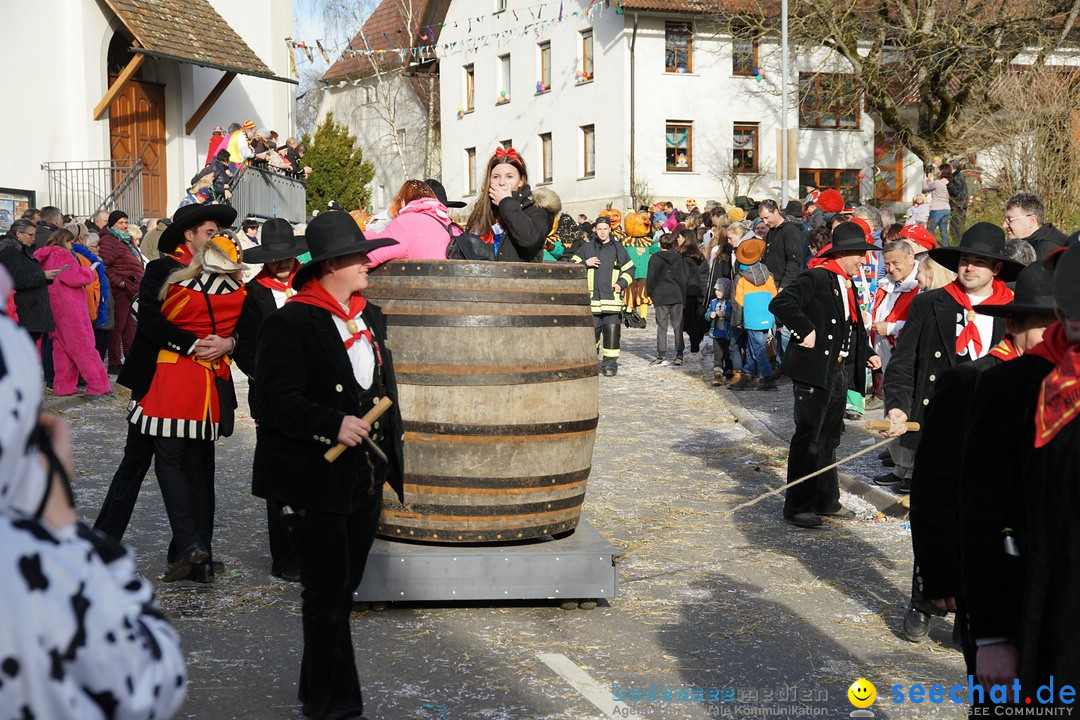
<point x="191" y="216"/>
<point x="440" y="193"/>
<point x="849" y="237"/>
<point x="1066" y="289"/>
<point x="278" y="243"/>
<point x="332" y="234"/>
<point x="982" y="240"/>
<point x="1034" y="294"/>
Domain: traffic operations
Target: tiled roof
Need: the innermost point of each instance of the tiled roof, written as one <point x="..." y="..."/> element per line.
<point x="696" y="7"/>
<point x="387" y="27"/>
<point x="190" y="30"/>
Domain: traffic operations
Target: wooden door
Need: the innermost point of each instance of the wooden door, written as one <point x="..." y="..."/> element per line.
<point x="137" y="130"/>
<point x="888" y="168"/>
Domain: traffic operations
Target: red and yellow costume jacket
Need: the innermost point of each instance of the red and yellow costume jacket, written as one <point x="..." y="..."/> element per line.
<point x="183" y="398"/>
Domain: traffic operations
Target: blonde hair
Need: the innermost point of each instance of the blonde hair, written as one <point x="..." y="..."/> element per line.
<point x="920" y="199"/>
<point x="199" y="263"/>
<point x="938" y="276"/>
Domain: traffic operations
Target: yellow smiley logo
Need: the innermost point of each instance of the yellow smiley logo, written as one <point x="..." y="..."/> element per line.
<point x="862" y="693"/>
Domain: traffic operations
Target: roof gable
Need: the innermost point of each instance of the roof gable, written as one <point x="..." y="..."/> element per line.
<point x="190" y="31"/>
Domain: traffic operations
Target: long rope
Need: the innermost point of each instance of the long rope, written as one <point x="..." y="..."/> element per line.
<point x="793" y="483"/>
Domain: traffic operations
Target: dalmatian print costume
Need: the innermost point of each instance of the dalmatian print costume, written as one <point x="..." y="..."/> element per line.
<point x="84" y="638"/>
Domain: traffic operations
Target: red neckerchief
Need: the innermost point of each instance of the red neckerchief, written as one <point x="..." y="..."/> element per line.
<point x="1059" y="395"/>
<point x="899" y="309"/>
<point x="270" y="282"/>
<point x="832" y="266"/>
<point x="999" y="295"/>
<point x="182" y="255"/>
<point x="1005" y="350"/>
<point x="315" y="294"/>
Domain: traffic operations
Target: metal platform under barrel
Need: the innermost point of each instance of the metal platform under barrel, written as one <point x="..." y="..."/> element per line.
<point x="580" y="566"/>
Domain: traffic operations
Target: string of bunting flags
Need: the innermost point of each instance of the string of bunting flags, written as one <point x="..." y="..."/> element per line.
<point x="473" y="25"/>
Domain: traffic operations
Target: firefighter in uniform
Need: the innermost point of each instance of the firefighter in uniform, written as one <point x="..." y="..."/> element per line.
<point x="610" y="271"/>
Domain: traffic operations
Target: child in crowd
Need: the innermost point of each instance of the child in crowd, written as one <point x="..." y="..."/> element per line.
<point x="719" y="317"/>
<point x="919" y="212"/>
<point x="754" y="290"/>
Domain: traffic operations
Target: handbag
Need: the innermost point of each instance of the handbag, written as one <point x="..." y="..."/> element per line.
<point x="467" y="246"/>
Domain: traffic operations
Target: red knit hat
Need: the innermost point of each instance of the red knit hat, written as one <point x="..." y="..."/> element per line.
<point x="865" y="226"/>
<point x="831" y="201"/>
<point x="919" y="235"/>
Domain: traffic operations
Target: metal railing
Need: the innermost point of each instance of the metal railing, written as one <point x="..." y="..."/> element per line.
<point x="264" y="194"/>
<point x="83" y="187"/>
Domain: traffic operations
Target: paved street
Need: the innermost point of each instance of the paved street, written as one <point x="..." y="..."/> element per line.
<point x="768" y="615"/>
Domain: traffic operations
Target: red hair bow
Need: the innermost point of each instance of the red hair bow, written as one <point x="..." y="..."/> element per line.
<point x="511" y="153"/>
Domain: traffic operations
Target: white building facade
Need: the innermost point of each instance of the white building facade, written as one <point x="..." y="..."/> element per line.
<point x="599" y="99"/>
<point x="68" y="50"/>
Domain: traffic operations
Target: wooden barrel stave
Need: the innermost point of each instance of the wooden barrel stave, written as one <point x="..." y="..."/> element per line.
<point x="498" y="389"/>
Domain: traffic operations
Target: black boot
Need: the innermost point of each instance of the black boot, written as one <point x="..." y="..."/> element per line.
<point x="612" y="332"/>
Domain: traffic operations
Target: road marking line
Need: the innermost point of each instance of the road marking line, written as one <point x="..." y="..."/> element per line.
<point x="590" y="689"/>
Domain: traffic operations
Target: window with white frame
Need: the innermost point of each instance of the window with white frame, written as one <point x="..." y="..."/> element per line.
<point x="470" y="171"/>
<point x="504" y="79"/>
<point x="545" y="157"/>
<point x="586" y="72"/>
<point x="588" y="147"/>
<point x="470" y="88"/>
<point x="543" y="84"/>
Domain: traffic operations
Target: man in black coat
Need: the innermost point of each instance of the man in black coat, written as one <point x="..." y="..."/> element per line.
<point x="1019" y="504"/>
<point x="1025" y="219"/>
<point x="828" y="356"/>
<point x="319" y="368"/>
<point x="665" y="283"/>
<point x="191" y="228"/>
<point x="783" y="244"/>
<point x="267" y="292"/>
<point x="935" y="483"/>
<point x="942" y="330"/>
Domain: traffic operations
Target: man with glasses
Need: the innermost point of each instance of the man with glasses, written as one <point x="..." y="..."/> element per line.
<point x="1025" y="219"/>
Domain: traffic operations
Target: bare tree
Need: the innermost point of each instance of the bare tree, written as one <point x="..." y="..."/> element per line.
<point x="734" y="180"/>
<point x="1027" y="144"/>
<point x="385" y="73"/>
<point x="925" y="68"/>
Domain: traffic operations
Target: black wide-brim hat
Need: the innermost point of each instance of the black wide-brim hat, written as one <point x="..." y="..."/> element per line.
<point x="278" y="242"/>
<point x="191" y="216"/>
<point x="440" y="193"/>
<point x="849" y="237"/>
<point x="1033" y="295"/>
<point x="333" y="234"/>
<point x="983" y="240"/>
<point x="1067" y="281"/>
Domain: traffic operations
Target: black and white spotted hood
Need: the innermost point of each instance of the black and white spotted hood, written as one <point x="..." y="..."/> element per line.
<point x="24" y="481"/>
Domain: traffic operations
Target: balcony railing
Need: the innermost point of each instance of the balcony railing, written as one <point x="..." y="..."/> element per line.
<point x="83" y="187"/>
<point x="264" y="194"/>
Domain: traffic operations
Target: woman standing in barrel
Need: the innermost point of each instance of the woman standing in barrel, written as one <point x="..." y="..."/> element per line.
<point x="321" y="364"/>
<point x="508" y="215"/>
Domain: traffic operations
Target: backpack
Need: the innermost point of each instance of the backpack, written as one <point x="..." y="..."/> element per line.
<point x="467" y="246"/>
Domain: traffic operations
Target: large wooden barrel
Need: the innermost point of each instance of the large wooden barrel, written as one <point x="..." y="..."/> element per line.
<point x="497" y="380"/>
